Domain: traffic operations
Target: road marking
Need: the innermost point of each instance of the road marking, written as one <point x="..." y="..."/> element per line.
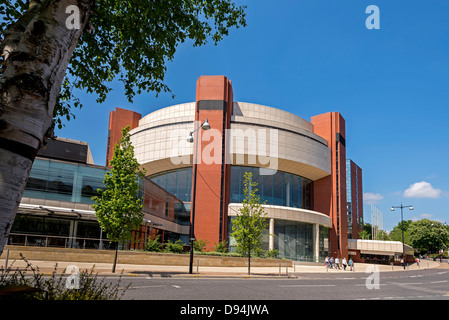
<point x="442" y="281"/>
<point x="306" y="285"/>
<point x="143" y="287"/>
<point x="175" y="286"/>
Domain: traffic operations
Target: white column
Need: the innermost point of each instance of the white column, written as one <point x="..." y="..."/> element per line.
<point x="271" y="235"/>
<point x="317" y="241"/>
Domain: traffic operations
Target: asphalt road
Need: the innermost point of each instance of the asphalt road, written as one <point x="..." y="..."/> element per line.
<point x="430" y="284"/>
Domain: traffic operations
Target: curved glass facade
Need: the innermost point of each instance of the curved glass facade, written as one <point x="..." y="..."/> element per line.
<point x="62" y="181"/>
<point x="281" y="188"/>
<point x="177" y="182"/>
<point x="294" y="240"/>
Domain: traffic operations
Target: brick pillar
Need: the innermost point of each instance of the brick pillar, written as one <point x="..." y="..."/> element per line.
<point x="214" y="100"/>
<point x="330" y="191"/>
<point x="119" y="119"/>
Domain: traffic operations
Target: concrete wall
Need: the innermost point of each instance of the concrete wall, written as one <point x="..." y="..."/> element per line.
<point x="132" y="257"/>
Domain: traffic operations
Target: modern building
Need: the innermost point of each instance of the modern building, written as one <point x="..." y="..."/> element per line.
<point x="354" y="199"/>
<point x="194" y="183"/>
<point x="299" y="165"/>
<point x="56" y="211"/>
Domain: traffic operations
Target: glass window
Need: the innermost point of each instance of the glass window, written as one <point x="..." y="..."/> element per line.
<point x="282" y="188"/>
<point x="177" y="182"/>
<point x="63" y="181"/>
<point x="278" y="186"/>
<point x="235" y="184"/>
<point x="267" y="194"/>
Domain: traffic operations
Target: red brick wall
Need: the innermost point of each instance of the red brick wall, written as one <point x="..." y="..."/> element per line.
<point x="326" y="196"/>
<point x="212" y="179"/>
<point x="119" y="119"/>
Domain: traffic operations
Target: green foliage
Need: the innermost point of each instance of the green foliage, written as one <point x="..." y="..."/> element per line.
<point x="249" y="224"/>
<point x="133" y="40"/>
<point x="154" y="245"/>
<point x="199" y="245"/>
<point x="174" y="247"/>
<point x="10" y="11"/>
<point x="54" y="287"/>
<point x="396" y="233"/>
<point x="381" y="235"/>
<point x="119" y="206"/>
<point x="273" y="253"/>
<point x="222" y="247"/>
<point x="365" y="235"/>
<point x="428" y="236"/>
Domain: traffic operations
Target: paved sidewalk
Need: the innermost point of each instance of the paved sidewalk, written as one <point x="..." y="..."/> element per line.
<point x="183" y="271"/>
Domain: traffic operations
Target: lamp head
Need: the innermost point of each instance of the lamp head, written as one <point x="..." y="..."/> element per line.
<point x="392" y="209"/>
<point x="411" y="208"/>
<point x="206" y="125"/>
<point x="190" y="138"/>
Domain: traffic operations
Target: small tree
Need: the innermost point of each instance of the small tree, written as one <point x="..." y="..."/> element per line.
<point x="119" y="206"/>
<point x="250" y="223"/>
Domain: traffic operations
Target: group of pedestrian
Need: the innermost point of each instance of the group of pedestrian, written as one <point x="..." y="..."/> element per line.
<point x="335" y="264"/>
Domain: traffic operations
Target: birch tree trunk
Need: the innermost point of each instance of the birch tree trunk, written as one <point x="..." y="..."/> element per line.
<point x="36" y="51"/>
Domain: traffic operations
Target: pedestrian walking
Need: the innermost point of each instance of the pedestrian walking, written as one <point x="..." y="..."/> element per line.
<point x="326" y="262"/>
<point x="344" y="263"/>
<point x="337" y="263"/>
<point x="351" y="264"/>
<point x="331" y="262"/>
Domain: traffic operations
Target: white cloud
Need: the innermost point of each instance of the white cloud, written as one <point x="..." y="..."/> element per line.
<point x="371" y="198"/>
<point x="422" y="189"/>
<point x="426" y="215"/>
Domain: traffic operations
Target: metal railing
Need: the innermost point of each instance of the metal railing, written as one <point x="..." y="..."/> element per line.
<point x="39" y="240"/>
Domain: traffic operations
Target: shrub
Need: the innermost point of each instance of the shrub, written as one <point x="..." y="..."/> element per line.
<point x="199" y="245"/>
<point x="222" y="247"/>
<point x="154" y="245"/>
<point x="174" y="247"/>
<point x="273" y="253"/>
<point x="55" y="288"/>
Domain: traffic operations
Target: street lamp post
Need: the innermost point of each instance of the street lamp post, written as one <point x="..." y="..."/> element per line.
<point x="402" y="227"/>
<point x="204" y="126"/>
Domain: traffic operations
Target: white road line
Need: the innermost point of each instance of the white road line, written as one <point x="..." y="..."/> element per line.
<point x="143" y="287"/>
<point x="442" y="281"/>
<point x="175" y="286"/>
<point x="306" y="285"/>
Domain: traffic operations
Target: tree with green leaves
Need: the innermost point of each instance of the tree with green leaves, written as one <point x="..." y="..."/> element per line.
<point x="428" y="236"/>
<point x="382" y="235"/>
<point x="365" y="234"/>
<point x="396" y="233"/>
<point x="119" y="206"/>
<point x="50" y="48"/>
<point x="251" y="222"/>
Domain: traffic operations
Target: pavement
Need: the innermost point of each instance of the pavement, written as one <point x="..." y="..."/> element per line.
<point x="164" y="271"/>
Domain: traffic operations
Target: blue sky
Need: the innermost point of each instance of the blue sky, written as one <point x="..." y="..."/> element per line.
<point x="315" y="56"/>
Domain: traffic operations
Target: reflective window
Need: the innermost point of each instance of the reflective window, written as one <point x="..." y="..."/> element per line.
<point x="281" y="188"/>
<point x="61" y="181"/>
<point x="177" y="182"/>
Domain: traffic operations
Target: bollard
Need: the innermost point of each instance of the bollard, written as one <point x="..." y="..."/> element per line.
<point x="197" y="265"/>
<point x="6" y="259"/>
<point x="286" y="268"/>
<point x="279" y="269"/>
